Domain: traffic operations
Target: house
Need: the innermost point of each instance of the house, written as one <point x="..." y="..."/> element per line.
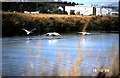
<point x="114" y="13"/>
<point x="31" y="12"/>
<point x="35" y="12"/>
<point x="60" y="8"/>
<point x="81" y="9"/>
<point x="26" y="12"/>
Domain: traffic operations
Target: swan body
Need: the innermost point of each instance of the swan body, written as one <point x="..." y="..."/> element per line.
<point x="84" y="33"/>
<point x="52" y="34"/>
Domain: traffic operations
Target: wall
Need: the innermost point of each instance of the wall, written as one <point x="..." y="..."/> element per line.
<point x="84" y="10"/>
<point x="104" y="11"/>
<point x="98" y="11"/>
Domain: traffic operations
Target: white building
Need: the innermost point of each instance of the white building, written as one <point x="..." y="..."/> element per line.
<point x="104" y="11"/>
<point x="60" y="8"/>
<point x="82" y="9"/>
<point x="69" y="8"/>
<point x="88" y="10"/>
<point x="114" y="13"/>
<point x="98" y="11"/>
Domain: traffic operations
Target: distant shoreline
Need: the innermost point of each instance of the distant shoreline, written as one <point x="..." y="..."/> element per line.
<point x="12" y="23"/>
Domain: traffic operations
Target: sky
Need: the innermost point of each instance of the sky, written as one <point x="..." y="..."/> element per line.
<point x="91" y="0"/>
<point x="98" y="2"/>
<point x="86" y="2"/>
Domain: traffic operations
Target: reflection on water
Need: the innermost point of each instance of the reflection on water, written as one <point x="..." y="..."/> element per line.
<point x="35" y="55"/>
<point x="52" y="41"/>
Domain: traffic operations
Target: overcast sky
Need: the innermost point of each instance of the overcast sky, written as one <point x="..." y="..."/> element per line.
<point x="97" y="2"/>
<point x="91" y="0"/>
<point x="86" y="2"/>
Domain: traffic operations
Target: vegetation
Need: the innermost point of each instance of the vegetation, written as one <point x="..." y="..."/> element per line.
<point x="12" y="23"/>
<point x="42" y="7"/>
<point x="104" y="23"/>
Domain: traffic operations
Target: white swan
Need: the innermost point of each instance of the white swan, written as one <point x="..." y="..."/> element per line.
<point x="52" y="34"/>
<point x="28" y="32"/>
<point x="84" y="33"/>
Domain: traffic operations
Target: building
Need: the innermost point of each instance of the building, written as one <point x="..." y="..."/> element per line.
<point x="114" y="13"/>
<point x="60" y="8"/>
<point x="89" y="10"/>
<point x="81" y="9"/>
<point x="84" y="9"/>
<point x="69" y="8"/>
<point x="104" y="11"/>
<point x="98" y="11"/>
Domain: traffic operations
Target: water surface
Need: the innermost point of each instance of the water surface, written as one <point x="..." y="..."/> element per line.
<point x="30" y="54"/>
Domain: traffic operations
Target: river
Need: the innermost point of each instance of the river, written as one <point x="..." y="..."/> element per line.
<point x="33" y="55"/>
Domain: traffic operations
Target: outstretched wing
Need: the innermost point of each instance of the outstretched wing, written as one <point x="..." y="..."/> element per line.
<point x="33" y="29"/>
<point x="26" y="30"/>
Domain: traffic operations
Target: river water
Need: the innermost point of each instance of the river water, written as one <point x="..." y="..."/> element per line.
<point x="33" y="55"/>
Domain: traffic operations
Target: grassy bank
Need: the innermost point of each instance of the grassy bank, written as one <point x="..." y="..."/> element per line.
<point x="12" y="23"/>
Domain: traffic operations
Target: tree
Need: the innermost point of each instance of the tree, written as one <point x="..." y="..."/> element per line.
<point x="73" y="3"/>
<point x="69" y="2"/>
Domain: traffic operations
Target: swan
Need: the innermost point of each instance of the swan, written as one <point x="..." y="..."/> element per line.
<point x="52" y="34"/>
<point x="28" y="32"/>
<point x="84" y="33"/>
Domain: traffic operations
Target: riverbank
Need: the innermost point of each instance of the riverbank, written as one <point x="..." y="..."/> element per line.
<point x="12" y="23"/>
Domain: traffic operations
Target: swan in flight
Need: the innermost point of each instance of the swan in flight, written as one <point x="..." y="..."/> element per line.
<point x="52" y="34"/>
<point x="84" y="33"/>
<point x="28" y="32"/>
